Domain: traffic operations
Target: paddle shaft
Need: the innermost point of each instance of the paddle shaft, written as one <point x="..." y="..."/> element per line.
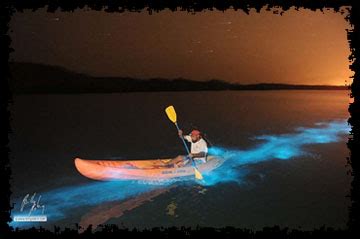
<point x="186" y="147"/>
<point x="171" y="113"/>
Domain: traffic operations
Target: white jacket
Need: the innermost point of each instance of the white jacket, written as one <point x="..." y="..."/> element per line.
<point x="199" y="146"/>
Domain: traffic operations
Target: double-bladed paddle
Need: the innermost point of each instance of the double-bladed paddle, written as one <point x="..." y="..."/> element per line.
<point x="171" y="113"/>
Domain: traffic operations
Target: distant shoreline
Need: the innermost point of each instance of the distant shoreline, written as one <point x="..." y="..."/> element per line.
<point x="31" y="78"/>
<point x="53" y="92"/>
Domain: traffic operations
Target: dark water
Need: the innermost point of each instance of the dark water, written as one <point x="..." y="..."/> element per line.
<point x="286" y="156"/>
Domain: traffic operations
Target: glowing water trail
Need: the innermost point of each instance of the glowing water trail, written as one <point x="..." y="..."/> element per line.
<point x="282" y="147"/>
<point x="60" y="202"/>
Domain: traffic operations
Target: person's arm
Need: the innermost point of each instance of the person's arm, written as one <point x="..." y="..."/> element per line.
<point x="198" y="155"/>
<point x="187" y="137"/>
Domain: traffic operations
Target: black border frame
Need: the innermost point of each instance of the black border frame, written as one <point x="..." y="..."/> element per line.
<point x="8" y="7"/>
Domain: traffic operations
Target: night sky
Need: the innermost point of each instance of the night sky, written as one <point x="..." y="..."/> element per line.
<point x="300" y="47"/>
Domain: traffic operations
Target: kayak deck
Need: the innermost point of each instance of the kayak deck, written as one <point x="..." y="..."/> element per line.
<point x="153" y="169"/>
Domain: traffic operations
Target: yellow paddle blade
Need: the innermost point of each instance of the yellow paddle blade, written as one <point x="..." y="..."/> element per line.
<point x="198" y="174"/>
<point x="170" y="111"/>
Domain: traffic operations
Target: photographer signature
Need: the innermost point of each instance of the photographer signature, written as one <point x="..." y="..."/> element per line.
<point x="33" y="203"/>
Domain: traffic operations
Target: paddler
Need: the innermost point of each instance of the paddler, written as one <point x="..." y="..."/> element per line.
<point x="198" y="149"/>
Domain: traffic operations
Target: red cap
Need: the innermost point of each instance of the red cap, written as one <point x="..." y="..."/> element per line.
<point x="195" y="132"/>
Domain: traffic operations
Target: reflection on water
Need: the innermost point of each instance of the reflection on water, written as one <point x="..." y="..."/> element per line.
<point x="106" y="200"/>
<point x="106" y="211"/>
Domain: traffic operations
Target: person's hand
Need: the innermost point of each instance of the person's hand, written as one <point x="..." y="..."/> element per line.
<point x="180" y="133"/>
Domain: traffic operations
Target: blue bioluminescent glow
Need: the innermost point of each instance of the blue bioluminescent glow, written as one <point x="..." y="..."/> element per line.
<point x="60" y="202"/>
<point x="283" y="147"/>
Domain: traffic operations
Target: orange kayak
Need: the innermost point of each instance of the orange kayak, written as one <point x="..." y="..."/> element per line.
<point x="153" y="169"/>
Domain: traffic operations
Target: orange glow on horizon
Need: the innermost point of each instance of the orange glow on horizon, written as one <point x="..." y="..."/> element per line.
<point x="300" y="47"/>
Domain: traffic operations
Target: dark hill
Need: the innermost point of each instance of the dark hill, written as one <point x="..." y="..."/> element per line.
<point x="31" y="78"/>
